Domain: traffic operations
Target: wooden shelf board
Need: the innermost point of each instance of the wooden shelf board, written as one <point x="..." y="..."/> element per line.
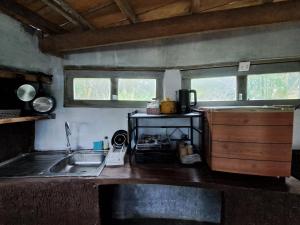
<point x="25" y="119"/>
<point x="11" y="73"/>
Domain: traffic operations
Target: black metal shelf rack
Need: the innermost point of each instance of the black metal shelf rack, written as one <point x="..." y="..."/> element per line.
<point x="134" y="125"/>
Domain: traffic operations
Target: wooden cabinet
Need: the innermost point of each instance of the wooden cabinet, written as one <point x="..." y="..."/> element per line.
<point x="256" y="142"/>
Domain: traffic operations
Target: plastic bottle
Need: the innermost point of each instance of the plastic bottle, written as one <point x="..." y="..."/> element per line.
<point x="106" y="143"/>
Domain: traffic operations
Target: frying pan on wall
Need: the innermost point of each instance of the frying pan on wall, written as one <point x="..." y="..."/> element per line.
<point x="39" y="102"/>
<point x="26" y="93"/>
<point x="43" y="103"/>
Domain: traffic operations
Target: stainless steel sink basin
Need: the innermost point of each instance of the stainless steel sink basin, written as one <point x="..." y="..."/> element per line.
<point x="54" y="164"/>
<point x="80" y="164"/>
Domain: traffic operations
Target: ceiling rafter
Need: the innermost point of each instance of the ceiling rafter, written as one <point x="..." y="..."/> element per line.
<point x="18" y="11"/>
<point x="195" y="6"/>
<point x="127" y="10"/>
<point x="220" y="20"/>
<point x="267" y="1"/>
<point x="224" y="3"/>
<point x="227" y="4"/>
<point x="68" y="12"/>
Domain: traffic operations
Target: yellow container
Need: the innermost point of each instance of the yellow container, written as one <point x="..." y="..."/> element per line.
<point x="167" y="106"/>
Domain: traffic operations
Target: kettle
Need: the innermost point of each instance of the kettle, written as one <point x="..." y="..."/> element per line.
<point x="183" y="98"/>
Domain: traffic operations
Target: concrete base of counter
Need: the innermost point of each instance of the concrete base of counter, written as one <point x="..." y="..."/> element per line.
<point x="158" y="222"/>
<point x="245" y="200"/>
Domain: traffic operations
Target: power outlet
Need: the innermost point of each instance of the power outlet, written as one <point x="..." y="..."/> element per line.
<point x="244" y="66"/>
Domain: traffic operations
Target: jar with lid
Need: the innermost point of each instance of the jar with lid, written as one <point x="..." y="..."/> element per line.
<point x="153" y="107"/>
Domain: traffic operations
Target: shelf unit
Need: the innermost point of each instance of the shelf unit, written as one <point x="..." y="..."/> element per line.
<point x="21" y="76"/>
<point x="20" y="119"/>
<point x="12" y="73"/>
<point x="134" y="125"/>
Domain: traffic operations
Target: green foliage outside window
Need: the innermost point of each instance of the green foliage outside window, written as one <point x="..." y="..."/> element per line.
<point x="91" y="88"/>
<point x="100" y="89"/>
<point x="274" y="86"/>
<point x="215" y="88"/>
<point x="136" y="89"/>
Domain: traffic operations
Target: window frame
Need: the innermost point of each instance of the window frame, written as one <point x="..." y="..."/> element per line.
<point x="232" y="70"/>
<point x="114" y="75"/>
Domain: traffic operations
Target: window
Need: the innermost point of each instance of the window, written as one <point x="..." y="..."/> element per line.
<point x="91" y="88"/>
<point x="265" y="84"/>
<point x="215" y="89"/>
<point x="273" y="86"/>
<point x="136" y="89"/>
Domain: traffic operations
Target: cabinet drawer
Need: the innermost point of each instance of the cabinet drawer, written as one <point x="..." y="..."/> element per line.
<point x="255" y="151"/>
<point x="253" y="167"/>
<point x="253" y="118"/>
<point x="255" y="134"/>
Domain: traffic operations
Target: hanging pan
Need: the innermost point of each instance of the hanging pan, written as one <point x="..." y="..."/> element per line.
<point x="43" y="103"/>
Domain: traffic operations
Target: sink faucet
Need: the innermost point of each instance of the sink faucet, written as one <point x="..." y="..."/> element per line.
<point x="68" y="134"/>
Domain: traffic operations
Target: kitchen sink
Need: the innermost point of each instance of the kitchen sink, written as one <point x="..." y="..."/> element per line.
<point x="54" y="164"/>
<point x="81" y="164"/>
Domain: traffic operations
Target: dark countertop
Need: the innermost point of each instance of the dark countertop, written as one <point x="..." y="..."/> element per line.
<point x="199" y="176"/>
<point x="274" y="108"/>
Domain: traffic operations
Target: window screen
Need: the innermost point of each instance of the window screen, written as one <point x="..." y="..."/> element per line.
<point x="92" y="88"/>
<point x="136" y="89"/>
<point x="215" y="88"/>
<point x="111" y="88"/>
<point x="273" y="86"/>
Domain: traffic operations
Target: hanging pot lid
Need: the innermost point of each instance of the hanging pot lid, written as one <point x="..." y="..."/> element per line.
<point x="26" y="92"/>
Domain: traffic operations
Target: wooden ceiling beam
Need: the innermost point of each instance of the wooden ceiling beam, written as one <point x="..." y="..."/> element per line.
<point x="127" y="10"/>
<point x="68" y="12"/>
<point x="196" y="23"/>
<point x="195" y="6"/>
<point x="18" y="11"/>
<point x="60" y="11"/>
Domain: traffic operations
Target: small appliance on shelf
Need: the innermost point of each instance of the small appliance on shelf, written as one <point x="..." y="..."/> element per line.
<point x="183" y="98"/>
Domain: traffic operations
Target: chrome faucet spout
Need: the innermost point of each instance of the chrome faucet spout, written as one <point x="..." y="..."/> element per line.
<point x="68" y="134"/>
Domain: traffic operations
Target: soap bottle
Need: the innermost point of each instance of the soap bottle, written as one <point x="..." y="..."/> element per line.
<point x="106" y="143"/>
